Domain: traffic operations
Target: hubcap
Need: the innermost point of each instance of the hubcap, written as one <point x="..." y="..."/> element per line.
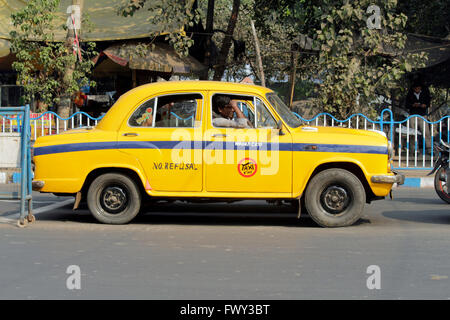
<point x="114" y="199"/>
<point x="335" y="199"/>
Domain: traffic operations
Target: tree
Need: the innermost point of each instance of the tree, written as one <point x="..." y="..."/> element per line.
<point x="168" y="18"/>
<point x="171" y="16"/>
<point x="42" y="61"/>
<point x="226" y="44"/>
<point x="429" y="18"/>
<point x="241" y="58"/>
<point x="356" y="61"/>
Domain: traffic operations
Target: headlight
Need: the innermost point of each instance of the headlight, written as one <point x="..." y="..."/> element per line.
<point x="390" y="150"/>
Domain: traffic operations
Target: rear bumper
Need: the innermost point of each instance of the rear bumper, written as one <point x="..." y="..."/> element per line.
<point x="397" y="178"/>
<point x="37" y="185"/>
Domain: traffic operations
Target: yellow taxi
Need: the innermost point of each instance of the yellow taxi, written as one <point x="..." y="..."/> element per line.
<point x="192" y="140"/>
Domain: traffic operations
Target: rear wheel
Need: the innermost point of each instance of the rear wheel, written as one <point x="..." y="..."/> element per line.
<point x="114" y="198"/>
<point x="335" y="198"/>
<point x="441" y="187"/>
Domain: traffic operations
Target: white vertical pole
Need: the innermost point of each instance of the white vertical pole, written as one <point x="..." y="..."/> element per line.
<point x="415" y="144"/>
<point x="407" y="143"/>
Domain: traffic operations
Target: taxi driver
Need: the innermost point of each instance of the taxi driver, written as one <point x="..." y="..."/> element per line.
<point x="223" y="113"/>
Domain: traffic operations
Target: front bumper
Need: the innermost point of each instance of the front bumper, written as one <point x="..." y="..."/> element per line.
<point x="397" y="178"/>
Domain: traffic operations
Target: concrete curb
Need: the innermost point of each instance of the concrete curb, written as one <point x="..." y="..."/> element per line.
<point x="418" y="182"/>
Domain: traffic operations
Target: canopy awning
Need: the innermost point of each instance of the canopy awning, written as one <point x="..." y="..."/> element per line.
<point x="4" y="47"/>
<point x="104" y="22"/>
<point x="159" y="58"/>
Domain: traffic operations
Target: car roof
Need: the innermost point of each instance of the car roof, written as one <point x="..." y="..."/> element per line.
<point x="199" y="85"/>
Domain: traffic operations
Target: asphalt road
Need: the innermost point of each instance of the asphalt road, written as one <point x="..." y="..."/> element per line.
<point x="245" y="250"/>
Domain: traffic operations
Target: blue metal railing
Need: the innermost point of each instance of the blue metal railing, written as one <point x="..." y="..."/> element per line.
<point x="392" y="128"/>
<point x="49" y="122"/>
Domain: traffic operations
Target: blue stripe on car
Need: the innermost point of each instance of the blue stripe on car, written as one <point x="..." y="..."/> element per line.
<point x="218" y="145"/>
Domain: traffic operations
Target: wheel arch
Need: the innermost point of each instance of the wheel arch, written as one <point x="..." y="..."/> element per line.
<point x="132" y="173"/>
<point x="349" y="166"/>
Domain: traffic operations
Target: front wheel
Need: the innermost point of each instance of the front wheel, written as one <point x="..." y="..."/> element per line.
<point x="335" y="198"/>
<point x="114" y="198"/>
<point x="441" y="187"/>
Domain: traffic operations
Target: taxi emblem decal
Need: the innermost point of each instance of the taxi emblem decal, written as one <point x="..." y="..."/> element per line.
<point x="247" y="167"/>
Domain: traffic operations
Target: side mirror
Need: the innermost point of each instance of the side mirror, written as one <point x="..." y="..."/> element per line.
<point x="280" y="128"/>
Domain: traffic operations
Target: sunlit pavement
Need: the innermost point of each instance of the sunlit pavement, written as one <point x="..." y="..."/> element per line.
<point x="243" y="250"/>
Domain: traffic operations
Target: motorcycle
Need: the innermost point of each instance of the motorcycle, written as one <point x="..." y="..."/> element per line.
<point x="442" y="170"/>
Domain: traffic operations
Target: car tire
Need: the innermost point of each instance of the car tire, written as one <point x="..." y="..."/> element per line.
<point x="114" y="198"/>
<point x="335" y="198"/>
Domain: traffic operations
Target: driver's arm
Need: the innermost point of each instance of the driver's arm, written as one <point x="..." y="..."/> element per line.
<point x="240" y="116"/>
<point x="236" y="109"/>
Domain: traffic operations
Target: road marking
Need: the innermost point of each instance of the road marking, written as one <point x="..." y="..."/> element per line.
<point x="34" y="201"/>
<point x="6" y="220"/>
<point x="52" y="206"/>
<point x="438" y="277"/>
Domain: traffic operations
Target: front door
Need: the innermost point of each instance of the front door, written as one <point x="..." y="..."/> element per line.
<point x="248" y="160"/>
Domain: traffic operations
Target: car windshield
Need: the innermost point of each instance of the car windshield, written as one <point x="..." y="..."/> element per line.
<point x="291" y="119"/>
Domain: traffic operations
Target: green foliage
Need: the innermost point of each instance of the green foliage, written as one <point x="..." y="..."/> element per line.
<point x="169" y="17"/>
<point x="41" y="62"/>
<point x="303" y="90"/>
<point x="274" y="48"/>
<point x="354" y="64"/>
<point x="357" y="63"/>
<point x="440" y="102"/>
<point x="294" y="16"/>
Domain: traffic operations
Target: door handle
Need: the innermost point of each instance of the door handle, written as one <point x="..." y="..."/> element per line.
<point x="130" y="134"/>
<point x="219" y="135"/>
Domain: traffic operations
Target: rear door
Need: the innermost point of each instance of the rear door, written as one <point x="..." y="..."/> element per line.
<point x="161" y="133"/>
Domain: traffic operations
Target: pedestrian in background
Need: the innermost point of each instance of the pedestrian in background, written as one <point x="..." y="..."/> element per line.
<point x="418" y="102"/>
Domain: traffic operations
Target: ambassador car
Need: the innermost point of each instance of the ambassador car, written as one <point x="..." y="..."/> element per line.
<point x="159" y="141"/>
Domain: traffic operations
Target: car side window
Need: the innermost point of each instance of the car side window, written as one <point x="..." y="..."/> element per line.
<point x="247" y="111"/>
<point x="232" y="110"/>
<point x="264" y="118"/>
<point x="143" y="116"/>
<point x="169" y="111"/>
